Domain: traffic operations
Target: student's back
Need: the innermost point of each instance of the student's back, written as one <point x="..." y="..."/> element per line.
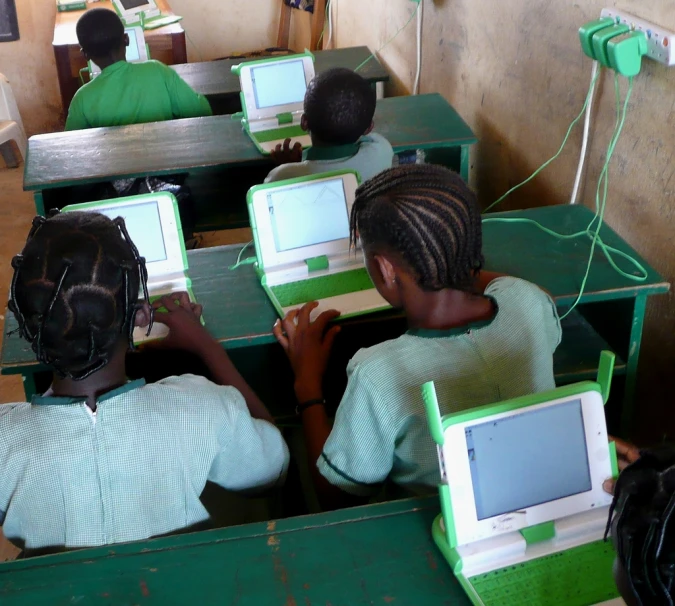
<point x="126" y="93"/>
<point x="338" y="114"/>
<point x="97" y="459"/>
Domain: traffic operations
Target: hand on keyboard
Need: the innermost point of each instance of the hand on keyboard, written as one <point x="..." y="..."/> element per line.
<point x="286" y="154"/>
<point x="182" y="317"/>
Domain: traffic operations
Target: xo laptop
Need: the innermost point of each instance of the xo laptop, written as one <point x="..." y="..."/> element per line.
<point x="144" y="13"/>
<point x="523" y="509"/>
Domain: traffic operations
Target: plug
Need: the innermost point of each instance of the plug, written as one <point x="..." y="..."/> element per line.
<point x="588" y="30"/>
<point x="601" y="39"/>
<point x="625" y="53"/>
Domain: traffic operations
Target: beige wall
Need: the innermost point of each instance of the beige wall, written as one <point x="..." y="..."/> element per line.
<point x="214" y="28"/>
<point x="516" y="73"/>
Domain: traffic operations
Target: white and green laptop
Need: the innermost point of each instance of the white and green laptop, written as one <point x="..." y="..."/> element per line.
<point x="523" y="509"/>
<point x="272" y="99"/>
<point x="154" y="226"/>
<point x="137" y="51"/>
<point x="144" y="13"/>
<point x="301" y="235"/>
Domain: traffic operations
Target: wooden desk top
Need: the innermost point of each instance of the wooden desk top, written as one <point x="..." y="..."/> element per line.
<point x="64" y="26"/>
<point x="377" y="554"/>
<point x="215" y="78"/>
<point x="239" y="314"/>
<point x="158" y="148"/>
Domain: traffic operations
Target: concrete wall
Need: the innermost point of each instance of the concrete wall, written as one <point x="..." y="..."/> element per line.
<point x="515" y="72"/>
<point x="214" y="29"/>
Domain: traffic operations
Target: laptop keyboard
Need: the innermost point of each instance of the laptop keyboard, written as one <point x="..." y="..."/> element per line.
<point x="314" y="289"/>
<point x="581" y="576"/>
<point x="285" y="132"/>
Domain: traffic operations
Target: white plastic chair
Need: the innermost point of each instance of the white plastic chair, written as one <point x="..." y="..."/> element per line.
<point x="11" y="126"/>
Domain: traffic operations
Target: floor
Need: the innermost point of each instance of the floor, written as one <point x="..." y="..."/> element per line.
<point x="18" y="211"/>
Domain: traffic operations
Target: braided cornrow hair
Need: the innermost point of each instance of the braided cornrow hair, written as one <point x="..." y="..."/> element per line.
<point x="643" y="516"/>
<point x="75" y="290"/>
<point x="427" y="215"/>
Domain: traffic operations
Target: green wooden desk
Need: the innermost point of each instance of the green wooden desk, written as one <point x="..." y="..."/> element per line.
<point x="61" y="160"/>
<point x="238" y="313"/>
<point x="215" y="79"/>
<point x="378" y="554"/>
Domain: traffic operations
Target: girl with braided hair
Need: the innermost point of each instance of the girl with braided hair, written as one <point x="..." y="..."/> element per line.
<point x="480" y="336"/>
<point x="98" y="459"/>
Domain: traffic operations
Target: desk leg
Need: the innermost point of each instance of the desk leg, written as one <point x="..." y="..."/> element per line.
<point x="628" y="408"/>
<point x="179" y="48"/>
<point x="464" y="163"/>
<point x="39" y="204"/>
<point x="29" y="385"/>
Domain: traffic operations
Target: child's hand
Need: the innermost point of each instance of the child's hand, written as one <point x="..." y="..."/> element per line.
<point x="286" y="154"/>
<point x="182" y="316"/>
<point x="308" y="346"/>
<point x="626" y="453"/>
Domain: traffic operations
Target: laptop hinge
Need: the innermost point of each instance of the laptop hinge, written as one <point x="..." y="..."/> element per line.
<point x="317" y="263"/>
<point x="285" y="118"/>
<point x="539" y="533"/>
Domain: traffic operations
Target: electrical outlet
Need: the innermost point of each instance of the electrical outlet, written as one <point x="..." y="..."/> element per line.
<point x="660" y="41"/>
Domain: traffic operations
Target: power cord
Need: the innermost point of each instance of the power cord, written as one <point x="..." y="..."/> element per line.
<point x="418" y="73"/>
<point x="248" y="261"/>
<point x="600" y="204"/>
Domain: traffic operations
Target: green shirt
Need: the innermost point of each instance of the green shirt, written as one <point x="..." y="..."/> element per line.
<point x="134" y="469"/>
<point x="380" y="428"/>
<point x="134" y="93"/>
<point x="369" y="156"/>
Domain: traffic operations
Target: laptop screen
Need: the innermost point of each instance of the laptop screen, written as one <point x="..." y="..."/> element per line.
<point x="129" y="4"/>
<point x="308" y="214"/>
<point x="528" y="459"/>
<point x="133" y="53"/>
<point x="279" y="83"/>
<point x="144" y="227"/>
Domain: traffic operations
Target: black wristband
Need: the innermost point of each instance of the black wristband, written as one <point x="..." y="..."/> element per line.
<point x="300" y="408"/>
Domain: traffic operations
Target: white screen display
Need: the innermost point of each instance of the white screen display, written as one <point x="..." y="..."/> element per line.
<point x="308" y="214"/>
<point x="279" y="83"/>
<point x="133" y="54"/>
<point x="528" y="459"/>
<point x="144" y="227"/>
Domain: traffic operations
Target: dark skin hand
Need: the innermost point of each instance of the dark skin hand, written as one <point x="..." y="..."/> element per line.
<point x="285" y="154"/>
<point x="626" y="453"/>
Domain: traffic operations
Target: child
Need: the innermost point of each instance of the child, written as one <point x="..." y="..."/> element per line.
<point x="126" y="93"/>
<point x="481" y="337"/>
<point x="339" y="110"/>
<point x="97" y="459"/>
<point x="641" y="519"/>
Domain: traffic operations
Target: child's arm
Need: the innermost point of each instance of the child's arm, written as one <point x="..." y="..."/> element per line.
<point x="186" y="332"/>
<point x="76" y="119"/>
<point x="308" y="346"/>
<point x="185" y="102"/>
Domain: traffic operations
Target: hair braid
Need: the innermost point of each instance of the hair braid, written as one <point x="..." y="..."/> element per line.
<point x="427" y="215"/>
<point x="75" y="288"/>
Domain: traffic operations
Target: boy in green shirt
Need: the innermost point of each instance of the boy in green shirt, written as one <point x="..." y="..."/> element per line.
<point x="126" y="93"/>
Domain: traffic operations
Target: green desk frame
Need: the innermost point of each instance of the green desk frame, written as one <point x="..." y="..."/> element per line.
<point x="204" y="145"/>
<point x="215" y="80"/>
<point x="611" y="313"/>
<point x="376" y="554"/>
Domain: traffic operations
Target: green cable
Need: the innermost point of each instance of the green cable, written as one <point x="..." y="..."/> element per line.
<point x="556" y="155"/>
<point x="601" y="203"/>
<point x="379" y="50"/>
<point x="325" y="25"/>
<point x="239" y="262"/>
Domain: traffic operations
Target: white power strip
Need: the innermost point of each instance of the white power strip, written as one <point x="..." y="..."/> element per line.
<point x="660" y="41"/>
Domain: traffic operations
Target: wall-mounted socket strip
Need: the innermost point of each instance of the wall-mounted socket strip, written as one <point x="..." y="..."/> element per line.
<point x="660" y="41"/>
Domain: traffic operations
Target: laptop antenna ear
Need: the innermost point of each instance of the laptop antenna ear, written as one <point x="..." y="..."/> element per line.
<point x="605" y="372"/>
<point x="433" y="412"/>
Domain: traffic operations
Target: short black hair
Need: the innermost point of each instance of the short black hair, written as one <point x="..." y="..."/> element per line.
<point x="75" y="290"/>
<point x="643" y="519"/>
<point x="100" y="31"/>
<point x="339" y="106"/>
<point x="428" y="216"/>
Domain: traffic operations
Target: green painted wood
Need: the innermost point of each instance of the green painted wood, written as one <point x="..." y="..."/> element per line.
<point x="377" y="554"/>
<point x="216" y="80"/>
<point x="197" y="144"/>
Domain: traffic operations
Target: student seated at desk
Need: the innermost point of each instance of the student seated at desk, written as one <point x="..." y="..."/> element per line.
<point x="97" y="459"/>
<point x="126" y="93"/>
<point x="479" y="336"/>
<point x="642" y="530"/>
<point x="338" y="114"/>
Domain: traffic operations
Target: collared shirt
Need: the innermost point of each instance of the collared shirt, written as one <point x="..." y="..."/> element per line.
<point x="369" y="156"/>
<point x="134" y="470"/>
<point x="380" y="428"/>
<point x="134" y="93"/>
